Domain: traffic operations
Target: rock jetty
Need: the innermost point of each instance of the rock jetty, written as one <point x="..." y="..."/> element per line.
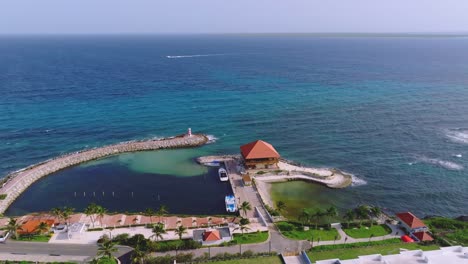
<point x="17" y="182"/>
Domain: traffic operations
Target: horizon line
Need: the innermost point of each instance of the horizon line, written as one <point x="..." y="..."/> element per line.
<point x="324" y="34"/>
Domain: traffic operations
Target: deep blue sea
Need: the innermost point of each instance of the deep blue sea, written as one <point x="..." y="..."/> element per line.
<point x="392" y="111"/>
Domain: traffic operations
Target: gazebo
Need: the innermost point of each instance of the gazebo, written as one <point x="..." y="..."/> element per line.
<point x="259" y="155"/>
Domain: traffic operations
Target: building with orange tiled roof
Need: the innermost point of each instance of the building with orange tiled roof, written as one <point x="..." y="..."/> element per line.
<point x="423" y="236"/>
<point x="411" y="223"/>
<point x="212" y="236"/>
<point x="30" y="226"/>
<point x="259" y="155"/>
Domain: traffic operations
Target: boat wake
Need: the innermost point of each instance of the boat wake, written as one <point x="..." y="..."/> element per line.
<point x="211" y="139"/>
<point x="441" y="163"/>
<point x="193" y="56"/>
<point x="458" y="135"/>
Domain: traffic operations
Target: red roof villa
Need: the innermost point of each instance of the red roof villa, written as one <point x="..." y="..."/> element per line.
<point x="212" y="236"/>
<point x="259" y="155"/>
<point x="414" y="226"/>
<point x="411" y="223"/>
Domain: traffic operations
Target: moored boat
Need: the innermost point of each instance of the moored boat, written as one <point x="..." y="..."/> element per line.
<point x="230" y="201"/>
<point x="223" y="176"/>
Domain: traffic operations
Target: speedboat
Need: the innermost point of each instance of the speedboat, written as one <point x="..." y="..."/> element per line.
<point x="213" y="163"/>
<point x="230" y="201"/>
<point x="223" y="176"/>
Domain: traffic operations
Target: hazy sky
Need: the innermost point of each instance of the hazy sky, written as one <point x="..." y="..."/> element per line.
<point x="231" y="16"/>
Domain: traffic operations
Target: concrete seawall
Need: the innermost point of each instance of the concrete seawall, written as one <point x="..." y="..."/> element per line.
<point x="17" y="182"/>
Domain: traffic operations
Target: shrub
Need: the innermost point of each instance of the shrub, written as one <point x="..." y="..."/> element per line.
<point x="104" y="238"/>
<point x="285" y="226"/>
<point x="3" y="196"/>
<point x="260" y="172"/>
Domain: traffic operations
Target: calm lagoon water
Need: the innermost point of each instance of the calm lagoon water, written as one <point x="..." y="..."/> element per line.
<point x="392" y="111"/>
<point x="131" y="182"/>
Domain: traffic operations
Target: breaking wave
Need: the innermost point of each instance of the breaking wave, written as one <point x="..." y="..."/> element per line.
<point x="211" y="139"/>
<point x="441" y="163"/>
<point x="357" y="181"/>
<point x="459" y="136"/>
<point x="192" y="56"/>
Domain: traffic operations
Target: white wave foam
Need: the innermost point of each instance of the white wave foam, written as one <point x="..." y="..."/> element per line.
<point x="442" y="163"/>
<point x="457" y="155"/>
<point x="192" y="56"/>
<point x="357" y="181"/>
<point x="459" y="136"/>
<point x="211" y="139"/>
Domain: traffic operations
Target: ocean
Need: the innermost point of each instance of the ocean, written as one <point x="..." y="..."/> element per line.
<point x="392" y="111"/>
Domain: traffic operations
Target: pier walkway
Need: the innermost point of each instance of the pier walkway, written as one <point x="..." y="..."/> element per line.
<point x="17" y="182"/>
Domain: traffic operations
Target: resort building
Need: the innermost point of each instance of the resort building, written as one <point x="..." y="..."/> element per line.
<point x="445" y="255"/>
<point x="411" y="223"/>
<point x="259" y="155"/>
<point x="209" y="237"/>
<point x="416" y="228"/>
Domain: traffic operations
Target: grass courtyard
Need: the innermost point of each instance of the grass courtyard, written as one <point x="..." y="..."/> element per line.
<point x="250" y="238"/>
<point x="351" y="251"/>
<point x="257" y="260"/>
<point x="296" y="231"/>
<point x="366" y="232"/>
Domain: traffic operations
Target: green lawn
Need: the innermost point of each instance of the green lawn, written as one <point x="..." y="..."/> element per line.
<point x="453" y="231"/>
<point x="365" y="232"/>
<point x="250" y="238"/>
<point x="34" y="238"/>
<point x="259" y="260"/>
<point x="351" y="253"/>
<point x="296" y="231"/>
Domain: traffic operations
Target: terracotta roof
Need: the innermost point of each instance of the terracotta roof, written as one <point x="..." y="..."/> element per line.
<point x="423" y="236"/>
<point x="30" y="226"/>
<point x="187" y="222"/>
<point x="411" y="220"/>
<point x="212" y="235"/>
<point x="258" y="150"/>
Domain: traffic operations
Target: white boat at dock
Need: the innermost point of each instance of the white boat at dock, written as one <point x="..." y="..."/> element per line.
<point x="212" y="164"/>
<point x="230" y="201"/>
<point x="223" y="176"/>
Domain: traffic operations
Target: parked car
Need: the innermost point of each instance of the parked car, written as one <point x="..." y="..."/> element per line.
<point x="4" y="236"/>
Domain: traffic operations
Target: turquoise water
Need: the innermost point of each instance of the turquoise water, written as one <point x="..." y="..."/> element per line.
<point x="392" y="111"/>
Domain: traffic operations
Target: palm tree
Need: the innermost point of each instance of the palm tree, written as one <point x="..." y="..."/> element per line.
<point x="158" y="231"/>
<point x="139" y="256"/>
<point x="42" y="228"/>
<point x="13" y="226"/>
<point x="331" y="213"/>
<point x="318" y="214"/>
<point x="349" y="216"/>
<point x="162" y="211"/>
<point x="376" y="212"/>
<point x="242" y="228"/>
<point x="244" y="207"/>
<point x="280" y="206"/>
<point x="91" y="211"/>
<point x="66" y="213"/>
<point x="100" y="211"/>
<point x="106" y="249"/>
<point x="180" y="231"/>
<point x="362" y="212"/>
<point x="57" y="212"/>
<point x="304" y="217"/>
<point x="150" y="212"/>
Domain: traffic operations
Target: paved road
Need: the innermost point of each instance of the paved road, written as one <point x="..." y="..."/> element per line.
<point x="17" y="248"/>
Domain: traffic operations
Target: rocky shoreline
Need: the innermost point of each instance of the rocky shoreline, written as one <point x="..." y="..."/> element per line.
<point x="17" y="182"/>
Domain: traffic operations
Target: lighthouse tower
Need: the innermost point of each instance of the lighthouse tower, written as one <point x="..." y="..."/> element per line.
<point x="189" y="132"/>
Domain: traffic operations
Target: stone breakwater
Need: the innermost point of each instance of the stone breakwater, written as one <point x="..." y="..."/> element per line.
<point x="17" y="182"/>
